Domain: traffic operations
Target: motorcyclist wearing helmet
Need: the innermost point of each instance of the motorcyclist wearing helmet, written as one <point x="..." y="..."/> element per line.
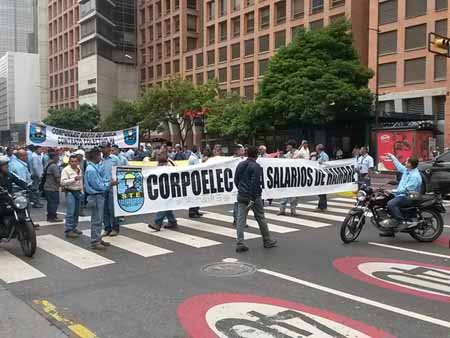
<point x="7" y="179"/>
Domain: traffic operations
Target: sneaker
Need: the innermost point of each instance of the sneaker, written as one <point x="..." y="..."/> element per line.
<point x="53" y="220"/>
<point x="270" y="243"/>
<point x="200" y="214"/>
<point x="105" y="243"/>
<point x="71" y="234"/>
<point x="241" y="247"/>
<point x="78" y="232"/>
<point x="114" y="233"/>
<point x="172" y="225"/>
<point x="319" y="209"/>
<point x="293" y="212"/>
<point x="36" y="226"/>
<point x="156" y="227"/>
<point x="97" y="246"/>
<point x="106" y="233"/>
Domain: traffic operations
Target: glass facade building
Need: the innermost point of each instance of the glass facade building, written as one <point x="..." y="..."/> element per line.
<point x="18" y="26"/>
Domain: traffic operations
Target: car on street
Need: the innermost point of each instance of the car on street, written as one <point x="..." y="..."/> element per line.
<point x="437" y="173"/>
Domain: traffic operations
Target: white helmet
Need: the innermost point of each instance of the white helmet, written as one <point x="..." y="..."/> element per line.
<point x="4" y="160"/>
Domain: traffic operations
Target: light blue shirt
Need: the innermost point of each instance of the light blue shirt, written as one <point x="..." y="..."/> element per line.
<point x="20" y="169"/>
<point x="194" y="159"/>
<point x="106" y="167"/>
<point x="122" y="159"/>
<point x="323" y="157"/>
<point x="37" y="165"/>
<point x="94" y="182"/>
<point x="411" y="180"/>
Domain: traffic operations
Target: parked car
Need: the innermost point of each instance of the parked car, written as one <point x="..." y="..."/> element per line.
<point x="437" y="173"/>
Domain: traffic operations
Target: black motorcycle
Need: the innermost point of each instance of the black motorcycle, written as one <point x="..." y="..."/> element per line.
<point x="423" y="217"/>
<point x="15" y="221"/>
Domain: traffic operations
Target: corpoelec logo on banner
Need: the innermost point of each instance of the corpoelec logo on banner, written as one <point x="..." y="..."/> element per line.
<point x="130" y="190"/>
<point x="37" y="133"/>
<point x="130" y="136"/>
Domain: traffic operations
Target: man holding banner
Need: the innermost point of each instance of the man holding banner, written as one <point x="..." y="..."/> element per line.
<point x="248" y="180"/>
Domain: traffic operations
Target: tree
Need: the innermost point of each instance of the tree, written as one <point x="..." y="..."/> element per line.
<point x="123" y="115"/>
<point x="316" y="79"/>
<point x="83" y="118"/>
<point x="178" y="103"/>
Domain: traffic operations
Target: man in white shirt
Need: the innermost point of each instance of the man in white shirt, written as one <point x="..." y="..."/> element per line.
<point x="365" y="165"/>
<point x="72" y="183"/>
<point x="303" y="152"/>
<point x="130" y="154"/>
<point x="291" y="153"/>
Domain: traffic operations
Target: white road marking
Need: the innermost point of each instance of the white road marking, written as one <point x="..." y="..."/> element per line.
<point x="179" y="237"/>
<point x="13" y="269"/>
<point x="46" y="223"/>
<point x="446" y="226"/>
<point x="81" y="258"/>
<point x="80" y="219"/>
<point x="133" y="246"/>
<point x="409" y="250"/>
<point x="359" y="299"/>
<point x="251" y="223"/>
<point x="297" y="221"/>
<point x="312" y="214"/>
<point x="214" y="229"/>
<point x="343" y="199"/>
<point x="313" y="207"/>
<point x="336" y="204"/>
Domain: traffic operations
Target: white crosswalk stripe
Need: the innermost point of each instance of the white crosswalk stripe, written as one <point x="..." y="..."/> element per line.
<point x="313" y="214"/>
<point x="176" y="236"/>
<point x="251" y="223"/>
<point x="343" y="199"/>
<point x="313" y="207"/>
<point x="214" y="229"/>
<point x="134" y="246"/>
<point x="297" y="221"/>
<point x="13" y="269"/>
<point x="336" y="204"/>
<point x="45" y="223"/>
<point x="71" y="253"/>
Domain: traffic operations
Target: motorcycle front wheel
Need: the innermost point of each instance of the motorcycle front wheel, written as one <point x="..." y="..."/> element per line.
<point x="351" y="228"/>
<point x="27" y="239"/>
<point x="432" y="229"/>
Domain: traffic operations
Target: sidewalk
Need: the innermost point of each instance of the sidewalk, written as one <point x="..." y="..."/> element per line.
<point x="18" y="320"/>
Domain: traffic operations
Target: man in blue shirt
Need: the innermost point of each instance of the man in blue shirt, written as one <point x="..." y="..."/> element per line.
<point x="96" y="186"/>
<point x="19" y="167"/>
<point x="411" y="181"/>
<point x="36" y="169"/>
<point x="322" y="157"/>
<point x="118" y="157"/>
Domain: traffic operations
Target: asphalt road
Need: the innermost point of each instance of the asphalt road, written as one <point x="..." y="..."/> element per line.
<point x="163" y="286"/>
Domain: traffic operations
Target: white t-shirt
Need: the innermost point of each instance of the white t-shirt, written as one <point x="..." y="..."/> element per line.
<point x="365" y="163"/>
<point x="303" y="153"/>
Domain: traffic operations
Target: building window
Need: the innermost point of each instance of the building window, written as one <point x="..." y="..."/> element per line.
<point x="176" y="23"/>
<point x="249" y="47"/>
<point x="199" y="60"/>
<point x="440" y="67"/>
<point x="189" y="63"/>
<point x="337" y="3"/>
<point x="199" y="78"/>
<point x="159" y="51"/>
<point x="314" y="25"/>
<point x="416" y="37"/>
<point x="249" y="3"/>
<point x="192" y="4"/>
<point x="415" y="70"/>
<point x="167" y="47"/>
<point x="387" y="106"/>
<point x="264" y="17"/>
<point x="158" y="9"/>
<point x="210" y="74"/>
<point x="168" y="6"/>
<point x="280" y="12"/>
<point x="150" y="13"/>
<point x="211" y="34"/>
<point x="191" y="23"/>
<point x="223" y="31"/>
<point x="235" y="27"/>
<point x="249" y="22"/>
<point x="441" y="4"/>
<point x="235" y="72"/>
<point x="248" y="70"/>
<point x="249" y="92"/>
<point x="189" y="78"/>
<point x="210" y="57"/>
<point x="222" y="7"/>
<point x="439" y="107"/>
<point x="264" y="43"/>
<point x="440" y="27"/>
<point x="176" y="66"/>
<point x="415" y="8"/>
<point x="414" y="105"/>
<point x="280" y="39"/>
<point x="236" y="51"/>
<point x="235" y="5"/>
<point x="336" y="18"/>
<point x="387" y="12"/>
<point x="191" y="44"/>
<point x="176" y="46"/>
<point x="236" y="91"/>
<point x="387" y="74"/>
<point x="295" y="30"/>
<point x="316" y="6"/>
<point x="150" y="73"/>
<point x="167" y="68"/>
<point x="223" y="54"/>
<point x="159" y="70"/>
<point x="211" y="9"/>
<point x="263" y="66"/>
<point x="387" y="42"/>
<point x="158" y="30"/>
<point x="222" y="75"/>
<point x="298" y="9"/>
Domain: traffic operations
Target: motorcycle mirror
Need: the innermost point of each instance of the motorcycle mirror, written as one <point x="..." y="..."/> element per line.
<point x="392" y="182"/>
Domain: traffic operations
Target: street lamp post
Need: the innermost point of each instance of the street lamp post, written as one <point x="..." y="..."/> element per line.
<point x="377" y="86"/>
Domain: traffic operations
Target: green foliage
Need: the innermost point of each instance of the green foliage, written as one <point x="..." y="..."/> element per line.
<point x="83" y="118"/>
<point x="123" y="115"/>
<point x="316" y="79"/>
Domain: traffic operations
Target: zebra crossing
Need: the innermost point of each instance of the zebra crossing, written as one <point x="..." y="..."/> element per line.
<point x="149" y="244"/>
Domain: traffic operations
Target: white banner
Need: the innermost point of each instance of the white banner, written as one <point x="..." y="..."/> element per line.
<point x="48" y="136"/>
<point x="144" y="190"/>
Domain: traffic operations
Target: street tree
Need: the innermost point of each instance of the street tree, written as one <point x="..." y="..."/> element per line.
<point x="124" y="115"/>
<point x="316" y="79"/>
<point x="83" y="118"/>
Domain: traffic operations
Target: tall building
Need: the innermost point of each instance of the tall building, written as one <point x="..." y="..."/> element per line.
<point x="410" y="79"/>
<point x="19" y="95"/>
<point x="18" y="26"/>
<point x="42" y="33"/>
<point x="231" y="40"/>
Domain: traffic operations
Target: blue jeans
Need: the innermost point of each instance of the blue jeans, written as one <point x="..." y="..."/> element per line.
<point x="73" y="199"/>
<point x="395" y="204"/>
<point x="111" y="223"/>
<point x="52" y="198"/>
<point x="292" y="203"/>
<point x="235" y="213"/>
<point x="159" y="217"/>
<point x="258" y="211"/>
<point x="97" y="205"/>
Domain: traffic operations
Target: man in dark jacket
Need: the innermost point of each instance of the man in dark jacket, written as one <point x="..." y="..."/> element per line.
<point x="248" y="180"/>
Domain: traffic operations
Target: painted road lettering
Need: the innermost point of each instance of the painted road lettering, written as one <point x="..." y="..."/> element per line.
<point x="419" y="279"/>
<point x="247" y="316"/>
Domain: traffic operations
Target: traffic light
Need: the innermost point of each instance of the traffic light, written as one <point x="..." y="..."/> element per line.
<point x="439" y="44"/>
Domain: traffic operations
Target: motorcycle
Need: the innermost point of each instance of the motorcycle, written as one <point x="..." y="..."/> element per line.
<point x="423" y="217"/>
<point x="15" y="221"/>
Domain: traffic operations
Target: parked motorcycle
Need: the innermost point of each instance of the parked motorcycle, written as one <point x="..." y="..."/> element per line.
<point x="15" y="221"/>
<point x="424" y="219"/>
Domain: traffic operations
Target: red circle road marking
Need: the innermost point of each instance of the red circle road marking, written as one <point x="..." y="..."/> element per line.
<point x="197" y="314"/>
<point x="354" y="266"/>
<point x="443" y="241"/>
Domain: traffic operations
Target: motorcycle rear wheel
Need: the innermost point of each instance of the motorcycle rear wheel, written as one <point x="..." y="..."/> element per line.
<point x="434" y="222"/>
<point x="351" y="228"/>
<point x="28" y="239"/>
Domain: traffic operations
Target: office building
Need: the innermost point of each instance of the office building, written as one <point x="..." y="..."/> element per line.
<point x="410" y="79"/>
